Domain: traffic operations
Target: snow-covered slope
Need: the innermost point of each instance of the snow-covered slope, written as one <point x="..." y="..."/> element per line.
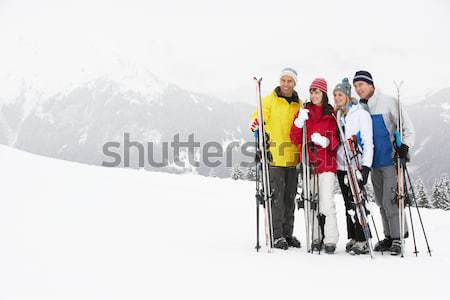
<point x="68" y="230"/>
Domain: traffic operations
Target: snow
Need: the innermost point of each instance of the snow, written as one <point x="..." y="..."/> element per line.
<point x="36" y="89"/>
<point x="196" y="101"/>
<point x="84" y="232"/>
<point x="62" y="148"/>
<point x="183" y="163"/>
<point x="445" y="106"/>
<point x="422" y="145"/>
<point x="230" y="138"/>
<point x="154" y="136"/>
<point x="83" y="138"/>
<point x="445" y="116"/>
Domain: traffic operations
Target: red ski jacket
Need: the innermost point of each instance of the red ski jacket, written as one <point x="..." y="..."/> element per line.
<point x="322" y="159"/>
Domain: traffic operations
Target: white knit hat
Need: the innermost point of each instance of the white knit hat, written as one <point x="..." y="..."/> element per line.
<point x="289" y="72"/>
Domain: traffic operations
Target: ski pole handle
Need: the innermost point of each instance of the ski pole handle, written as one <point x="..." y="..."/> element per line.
<point x="398" y="139"/>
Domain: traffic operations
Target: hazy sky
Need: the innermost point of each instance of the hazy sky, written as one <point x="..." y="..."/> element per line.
<point x="217" y="46"/>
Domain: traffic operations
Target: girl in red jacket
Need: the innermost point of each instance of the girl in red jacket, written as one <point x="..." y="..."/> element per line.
<point x="322" y="149"/>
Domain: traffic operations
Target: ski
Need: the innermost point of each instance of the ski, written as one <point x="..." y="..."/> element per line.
<point x="317" y="243"/>
<point x="400" y="164"/>
<point x="353" y="182"/>
<point x="305" y="200"/>
<point x="264" y="195"/>
<point x="259" y="198"/>
<point x="309" y="196"/>
<point x="353" y="142"/>
<point x="405" y="196"/>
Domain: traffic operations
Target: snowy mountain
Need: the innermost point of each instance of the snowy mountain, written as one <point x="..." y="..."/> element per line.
<point x="431" y="117"/>
<point x="75" y="231"/>
<point x="75" y="124"/>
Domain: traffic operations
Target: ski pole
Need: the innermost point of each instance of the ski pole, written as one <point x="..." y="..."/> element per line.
<point x="418" y="212"/>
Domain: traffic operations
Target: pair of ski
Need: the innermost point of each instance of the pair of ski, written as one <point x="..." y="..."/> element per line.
<point x="354" y="181"/>
<point x="400" y="164"/>
<point x="403" y="197"/>
<point x="309" y="199"/>
<point x="263" y="191"/>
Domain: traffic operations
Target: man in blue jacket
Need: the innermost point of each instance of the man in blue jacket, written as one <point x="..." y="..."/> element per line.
<point x="384" y="113"/>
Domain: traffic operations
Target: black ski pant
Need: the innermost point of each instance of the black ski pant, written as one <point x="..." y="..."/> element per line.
<point x="354" y="228"/>
<point x="283" y="183"/>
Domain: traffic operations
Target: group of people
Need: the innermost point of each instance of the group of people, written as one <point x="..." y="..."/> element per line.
<point x="371" y="121"/>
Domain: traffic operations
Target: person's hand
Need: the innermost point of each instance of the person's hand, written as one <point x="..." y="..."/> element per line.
<point x="402" y="151"/>
<point x="365" y="171"/>
<point x="303" y="115"/>
<point x="320" y="140"/>
<point x="254" y="125"/>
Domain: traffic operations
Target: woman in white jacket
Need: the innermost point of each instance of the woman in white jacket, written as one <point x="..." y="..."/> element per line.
<point x="357" y="126"/>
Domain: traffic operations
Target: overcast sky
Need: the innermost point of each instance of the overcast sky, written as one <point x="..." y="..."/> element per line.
<point x="217" y="46"/>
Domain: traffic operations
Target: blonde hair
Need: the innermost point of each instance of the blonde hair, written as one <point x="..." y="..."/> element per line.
<point x="343" y="108"/>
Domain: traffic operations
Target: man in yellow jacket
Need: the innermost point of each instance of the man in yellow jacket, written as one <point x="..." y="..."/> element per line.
<point x="279" y="110"/>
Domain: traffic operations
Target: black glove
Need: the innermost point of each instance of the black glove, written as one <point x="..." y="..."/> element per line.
<point x="402" y="151"/>
<point x="365" y="174"/>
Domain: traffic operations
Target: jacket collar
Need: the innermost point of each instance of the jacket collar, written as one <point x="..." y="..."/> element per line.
<point x="293" y="98"/>
<point x="317" y="111"/>
<point x="374" y="98"/>
<point x="352" y="107"/>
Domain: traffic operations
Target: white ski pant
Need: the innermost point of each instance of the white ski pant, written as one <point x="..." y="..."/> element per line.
<point x="326" y="207"/>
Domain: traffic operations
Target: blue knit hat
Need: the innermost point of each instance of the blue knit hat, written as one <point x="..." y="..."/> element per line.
<point x="344" y="87"/>
<point x="363" y="76"/>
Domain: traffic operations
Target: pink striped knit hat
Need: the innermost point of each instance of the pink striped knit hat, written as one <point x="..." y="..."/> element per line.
<point x="319" y="83"/>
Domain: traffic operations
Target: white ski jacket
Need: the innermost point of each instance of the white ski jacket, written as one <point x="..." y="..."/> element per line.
<point x="357" y="122"/>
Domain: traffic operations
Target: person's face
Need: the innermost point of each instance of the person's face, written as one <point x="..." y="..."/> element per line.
<point x="287" y="85"/>
<point x="340" y="99"/>
<point x="316" y="96"/>
<point x="363" y="89"/>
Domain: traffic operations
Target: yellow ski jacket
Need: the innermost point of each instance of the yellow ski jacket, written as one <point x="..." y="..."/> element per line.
<point x="279" y="113"/>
